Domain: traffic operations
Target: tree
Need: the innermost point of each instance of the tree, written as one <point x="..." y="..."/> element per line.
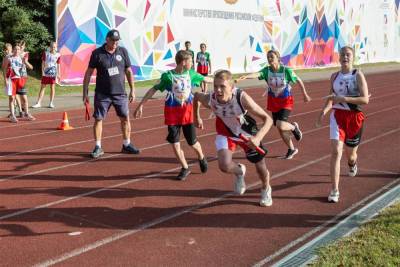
<point x="22" y="20"/>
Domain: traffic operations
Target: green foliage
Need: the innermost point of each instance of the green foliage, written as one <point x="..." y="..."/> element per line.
<point x="22" y="20"/>
<point x="374" y="244"/>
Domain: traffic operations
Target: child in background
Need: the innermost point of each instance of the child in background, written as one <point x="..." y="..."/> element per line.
<point x="203" y="61"/>
<point x="50" y="74"/>
<point x="14" y="67"/>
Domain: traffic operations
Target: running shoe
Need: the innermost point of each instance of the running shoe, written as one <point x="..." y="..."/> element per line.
<point x="29" y="117"/>
<point x="13" y="119"/>
<point x="183" y="174"/>
<point x="298" y="135"/>
<point x="353" y="170"/>
<point x="130" y="149"/>
<point x="51" y="105"/>
<point x="240" y="185"/>
<point x="266" y="197"/>
<point x="333" y="196"/>
<point x="97" y="152"/>
<point x="203" y="165"/>
<point x="37" y="105"/>
<point x="291" y="152"/>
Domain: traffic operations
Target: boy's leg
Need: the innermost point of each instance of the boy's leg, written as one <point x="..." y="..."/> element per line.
<point x="180" y="155"/>
<point x="266" y="190"/>
<point x="52" y="94"/>
<point x="11" y="104"/>
<point x="226" y="164"/>
<point x="263" y="173"/>
<point x="336" y="155"/>
<point x="40" y="97"/>
<point x="20" y="105"/>
<point x="351" y="153"/>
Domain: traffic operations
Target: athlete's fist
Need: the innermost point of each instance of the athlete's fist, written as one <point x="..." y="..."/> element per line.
<point x="138" y="112"/>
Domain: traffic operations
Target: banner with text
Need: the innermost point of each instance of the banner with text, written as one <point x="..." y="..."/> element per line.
<point x="237" y="32"/>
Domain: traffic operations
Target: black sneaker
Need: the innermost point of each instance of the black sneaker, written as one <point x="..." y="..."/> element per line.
<point x="97" y="152"/>
<point x="291" y="152"/>
<point x="296" y="132"/>
<point x="130" y="149"/>
<point x="203" y="165"/>
<point x="183" y="174"/>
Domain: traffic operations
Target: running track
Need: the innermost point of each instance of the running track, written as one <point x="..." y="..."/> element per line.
<point x="58" y="206"/>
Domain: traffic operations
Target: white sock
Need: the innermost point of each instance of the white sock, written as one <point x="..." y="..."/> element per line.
<point x="126" y="142"/>
<point x="98" y="143"/>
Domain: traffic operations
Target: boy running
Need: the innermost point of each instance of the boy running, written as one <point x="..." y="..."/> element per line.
<point x="178" y="109"/>
<point x="231" y="107"/>
<point x="280" y="99"/>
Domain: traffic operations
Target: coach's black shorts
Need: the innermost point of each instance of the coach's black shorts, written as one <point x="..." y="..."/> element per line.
<point x="174" y="132"/>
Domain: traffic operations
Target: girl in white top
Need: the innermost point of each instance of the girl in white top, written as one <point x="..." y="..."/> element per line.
<point x="349" y="91"/>
<point x="50" y="74"/>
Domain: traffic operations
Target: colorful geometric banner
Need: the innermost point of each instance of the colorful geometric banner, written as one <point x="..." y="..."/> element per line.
<point x="237" y="33"/>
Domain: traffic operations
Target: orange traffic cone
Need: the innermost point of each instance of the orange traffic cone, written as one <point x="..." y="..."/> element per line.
<point x="65" y="124"/>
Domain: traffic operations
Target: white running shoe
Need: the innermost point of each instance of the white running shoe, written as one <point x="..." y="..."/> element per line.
<point x="37" y="105"/>
<point x="51" y="105"/>
<point x="266" y="197"/>
<point x="333" y="196"/>
<point x="353" y="170"/>
<point x="240" y="185"/>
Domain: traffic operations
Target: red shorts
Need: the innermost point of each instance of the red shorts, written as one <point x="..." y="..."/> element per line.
<point x="48" y="80"/>
<point x="17" y="85"/>
<point x="202" y="70"/>
<point x="346" y="126"/>
<point x="226" y="140"/>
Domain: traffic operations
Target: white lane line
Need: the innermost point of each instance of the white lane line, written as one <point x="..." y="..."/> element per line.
<point x="156" y="146"/>
<point x="122" y="234"/>
<point x="317" y="229"/>
<point x="307" y="252"/>
<point x="75" y="128"/>
<point x="141" y="131"/>
<point x="132" y="120"/>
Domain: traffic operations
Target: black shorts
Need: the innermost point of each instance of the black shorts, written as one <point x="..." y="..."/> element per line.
<point x="281" y="115"/>
<point x="22" y="91"/>
<point x="174" y="132"/>
<point x="253" y="156"/>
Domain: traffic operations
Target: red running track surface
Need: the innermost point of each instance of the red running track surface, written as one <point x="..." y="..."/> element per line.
<point x="60" y="206"/>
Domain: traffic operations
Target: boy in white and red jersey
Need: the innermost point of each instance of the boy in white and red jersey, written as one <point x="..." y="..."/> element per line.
<point x="349" y="91"/>
<point x="231" y="107"/>
<point x="50" y="74"/>
<point x="14" y="66"/>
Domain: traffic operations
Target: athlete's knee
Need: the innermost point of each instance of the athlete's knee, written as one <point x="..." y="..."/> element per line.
<point x="336" y="152"/>
<point x="223" y="166"/>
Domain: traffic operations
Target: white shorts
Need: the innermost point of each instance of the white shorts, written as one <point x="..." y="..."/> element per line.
<point x="8" y="89"/>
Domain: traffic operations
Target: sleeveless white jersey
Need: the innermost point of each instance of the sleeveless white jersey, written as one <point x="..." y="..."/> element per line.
<point x="16" y="67"/>
<point x="346" y="85"/>
<point x="230" y="113"/>
<point x="50" y="64"/>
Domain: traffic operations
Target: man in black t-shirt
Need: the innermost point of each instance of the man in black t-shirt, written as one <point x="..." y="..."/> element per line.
<point x="112" y="65"/>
